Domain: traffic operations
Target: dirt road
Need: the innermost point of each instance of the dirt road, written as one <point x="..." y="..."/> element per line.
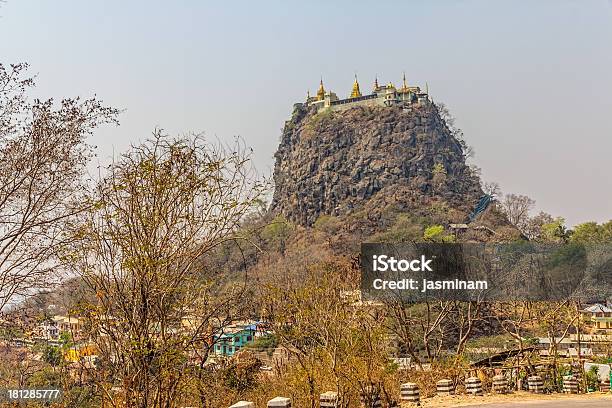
<point x="520" y="400"/>
<point x="565" y="403"/>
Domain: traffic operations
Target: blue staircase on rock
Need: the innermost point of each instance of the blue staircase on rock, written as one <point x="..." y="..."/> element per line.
<point x="482" y="205"/>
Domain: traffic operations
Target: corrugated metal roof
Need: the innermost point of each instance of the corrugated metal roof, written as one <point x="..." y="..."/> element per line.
<point x="598" y="308"/>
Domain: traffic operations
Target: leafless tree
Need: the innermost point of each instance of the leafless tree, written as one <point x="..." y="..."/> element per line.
<point x="516" y="208"/>
<point x="421" y="327"/>
<point x="329" y="337"/>
<point x="515" y="317"/>
<point x="491" y="188"/>
<point x="160" y="211"/>
<point x="43" y="154"/>
<point x="457" y="133"/>
<point x="533" y="228"/>
<point x="466" y="316"/>
<point x="557" y="319"/>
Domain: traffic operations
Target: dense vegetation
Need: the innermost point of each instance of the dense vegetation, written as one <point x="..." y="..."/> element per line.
<point x="175" y="243"/>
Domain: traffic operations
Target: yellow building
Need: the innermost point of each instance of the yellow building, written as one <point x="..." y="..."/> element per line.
<point x="76" y="353"/>
<point x="599" y="318"/>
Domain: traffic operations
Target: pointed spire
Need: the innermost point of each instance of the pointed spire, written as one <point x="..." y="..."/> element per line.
<point x="307" y="95"/>
<point x="426" y="88"/>
<point x="356" y="93"/>
<point x="404" y="84"/>
<point x="321" y="91"/>
<point x="376" y="87"/>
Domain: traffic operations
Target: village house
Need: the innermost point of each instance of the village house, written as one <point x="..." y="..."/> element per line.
<point x="51" y="329"/>
<point x="236" y="337"/>
<point x="599" y="318"/>
<point x="574" y="345"/>
<point x="68" y="324"/>
<point x="47" y="330"/>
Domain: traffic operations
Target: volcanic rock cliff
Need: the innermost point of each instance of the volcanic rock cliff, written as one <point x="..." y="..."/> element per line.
<point x="333" y="162"/>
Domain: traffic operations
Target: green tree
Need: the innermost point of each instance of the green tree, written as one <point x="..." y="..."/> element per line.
<point x="52" y="355"/>
<point x="555" y="231"/>
<point x="404" y="229"/>
<point x="438" y="176"/>
<point x="592" y="378"/>
<point x="277" y="232"/>
<point x="436" y="233"/>
<point x="328" y="224"/>
<point x="65" y="339"/>
<point x="591" y="232"/>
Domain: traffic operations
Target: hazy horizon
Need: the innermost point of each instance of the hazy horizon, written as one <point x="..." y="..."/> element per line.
<point x="529" y="82"/>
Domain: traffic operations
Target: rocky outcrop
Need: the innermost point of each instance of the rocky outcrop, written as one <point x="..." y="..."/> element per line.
<point x="333" y="162"/>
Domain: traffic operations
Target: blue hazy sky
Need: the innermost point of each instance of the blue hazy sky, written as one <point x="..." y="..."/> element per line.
<point x="529" y="81"/>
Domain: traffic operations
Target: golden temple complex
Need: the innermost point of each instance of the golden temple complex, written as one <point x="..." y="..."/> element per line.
<point x="386" y="95"/>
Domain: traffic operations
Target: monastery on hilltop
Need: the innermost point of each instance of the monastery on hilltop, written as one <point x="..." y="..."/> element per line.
<point x="385" y="95"/>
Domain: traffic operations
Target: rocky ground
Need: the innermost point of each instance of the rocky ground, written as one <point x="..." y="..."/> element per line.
<point x="332" y="162"/>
